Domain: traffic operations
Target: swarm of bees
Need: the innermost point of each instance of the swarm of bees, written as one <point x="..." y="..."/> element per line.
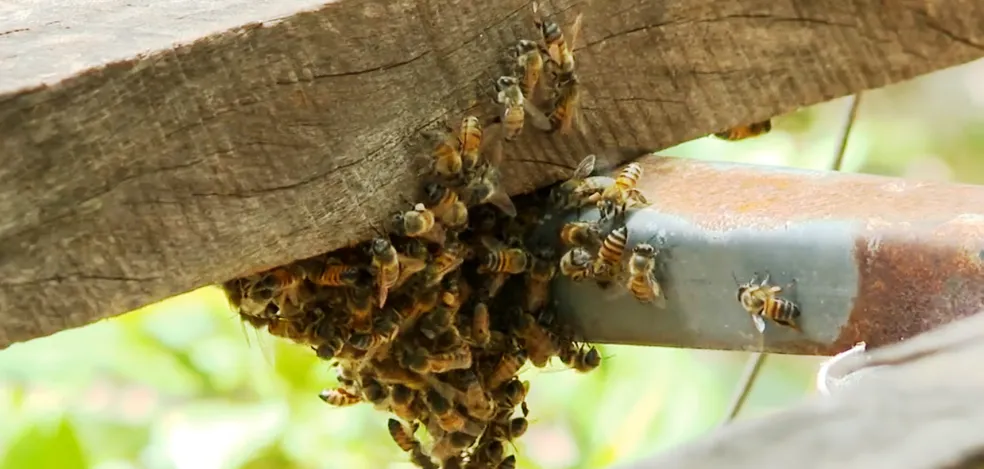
<point x="433" y="319"/>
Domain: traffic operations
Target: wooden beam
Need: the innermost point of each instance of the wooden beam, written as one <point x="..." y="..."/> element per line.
<point x="125" y="182"/>
<point x="912" y="405"/>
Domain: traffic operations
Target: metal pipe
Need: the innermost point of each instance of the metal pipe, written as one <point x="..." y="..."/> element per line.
<point x="875" y="259"/>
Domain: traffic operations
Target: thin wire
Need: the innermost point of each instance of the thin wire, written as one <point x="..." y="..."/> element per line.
<point x="754" y="364"/>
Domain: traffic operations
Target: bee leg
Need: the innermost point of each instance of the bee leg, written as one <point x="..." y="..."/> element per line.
<point x="759" y="323"/>
<point x="765" y="280"/>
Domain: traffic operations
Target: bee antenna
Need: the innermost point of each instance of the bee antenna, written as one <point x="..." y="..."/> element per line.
<point x="737" y="283"/>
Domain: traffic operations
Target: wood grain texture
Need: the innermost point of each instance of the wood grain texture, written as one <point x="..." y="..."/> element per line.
<point x="178" y="166"/>
<point x="918" y="408"/>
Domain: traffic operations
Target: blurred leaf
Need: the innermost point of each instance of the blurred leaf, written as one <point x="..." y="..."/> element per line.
<point x="43" y="447"/>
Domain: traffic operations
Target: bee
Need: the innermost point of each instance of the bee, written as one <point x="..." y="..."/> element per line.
<point x="422" y="459"/>
<point x="456" y="359"/>
<point x="403" y="402"/>
<point x="402" y="435"/>
<point x="450" y="445"/>
<point x="564" y="113"/>
<point x="385" y="330"/>
<point x="436" y="321"/>
<point x="476" y="400"/>
<point x="760" y="300"/>
<point x="288" y="329"/>
<point x="623" y="193"/>
<point x="339" y="397"/>
<point x="480" y="333"/>
<point x="581" y="359"/>
<point x="446" y="158"/>
<point x="374" y="392"/>
<point x="470" y="139"/>
<point x="360" y="306"/>
<point x="500" y="259"/>
<point x="509" y="462"/>
<point x="515" y="107"/>
<point x="608" y="265"/>
<point x="391" y="371"/>
<point x="485" y="188"/>
<point x="420" y="303"/>
<point x="742" y="132"/>
<point x="448" y="418"/>
<point x="418" y="223"/>
<point x="505" y="369"/>
<point x="529" y="61"/>
<point x="582" y="188"/>
<point x="510" y="429"/>
<point x="449" y="258"/>
<point x="642" y="278"/>
<point x="386" y="263"/>
<point x="586" y="234"/>
<point x="286" y="283"/>
<point x="336" y="274"/>
<point x="576" y="264"/>
<point x="543" y="268"/>
<point x="414" y="260"/>
<point x="512" y="393"/>
<point x="559" y="51"/>
<point x="487" y="453"/>
<point x="330" y="347"/>
<point x="446" y="205"/>
<point x="539" y="345"/>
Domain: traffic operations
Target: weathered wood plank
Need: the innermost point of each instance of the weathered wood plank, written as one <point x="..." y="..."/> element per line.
<point x="914" y="405"/>
<point x="127" y="182"/>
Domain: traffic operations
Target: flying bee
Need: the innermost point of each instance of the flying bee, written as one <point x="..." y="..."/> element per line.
<point x="529" y="62"/>
<point x="418" y="223"/>
<point x="446" y="205"/>
<point x="358" y="302"/>
<point x="761" y="301"/>
<point x="582" y="188"/>
<point x="445" y="158"/>
<point x="505" y="369"/>
<point x="339" y="397"/>
<point x="564" y="114"/>
<point x="559" y="50"/>
<point x="742" y="132"/>
<point x="581" y="359"/>
<point x="607" y="267"/>
<point x="576" y="264"/>
<point x="485" y="188"/>
<point x="470" y="139"/>
<point x="543" y="268"/>
<point x="623" y="193"/>
<point x="515" y="108"/>
<point x="402" y="435"/>
<point x="480" y="333"/>
<point x="585" y="234"/>
<point x="500" y="259"/>
<point x="642" y="275"/>
<point x="539" y="345"/>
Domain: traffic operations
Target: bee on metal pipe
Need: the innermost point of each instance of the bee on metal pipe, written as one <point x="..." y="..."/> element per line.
<point x="761" y="301"/>
<point x="608" y="265"/>
<point x="446" y="205"/>
<point x="579" y="358"/>
<point x="529" y="64"/>
<point x="642" y="275"/>
<point x="576" y="264"/>
<point x="515" y="108"/>
<point x="742" y="132"/>
<point x="559" y="50"/>
<point x="616" y="198"/>
<point x="581" y="189"/>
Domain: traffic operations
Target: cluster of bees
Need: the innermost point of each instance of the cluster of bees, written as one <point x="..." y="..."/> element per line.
<point x="433" y="319"/>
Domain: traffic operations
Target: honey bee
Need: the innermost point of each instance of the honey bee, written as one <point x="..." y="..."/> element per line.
<point x="543" y="268"/>
<point x="339" y="397"/>
<point x="446" y="158"/>
<point x="476" y="400"/>
<point x="456" y="359"/>
<point x="480" y="333"/>
<point x="449" y="258"/>
<point x="286" y="284"/>
<point x="529" y="61"/>
<point x="515" y="108"/>
<point x="402" y="435"/>
<point x="328" y="349"/>
<point x="585" y="234"/>
<point x="565" y="111"/>
<point x="608" y="265"/>
<point x="374" y="392"/>
<point x="448" y="418"/>
<point x="576" y="264"/>
<point x="449" y="446"/>
<point x="761" y="301"/>
<point x="559" y="51"/>
<point x="505" y="369"/>
<point x="470" y="138"/>
<point x="420" y="303"/>
<point x="386" y="263"/>
<point x="287" y="329"/>
<point x="336" y="274"/>
<point x="581" y="359"/>
<point x="402" y="402"/>
<point x="385" y="330"/>
<point x="487" y="453"/>
<point x="582" y="188"/>
<point x="500" y="259"/>
<point x="623" y="193"/>
<point x="512" y="393"/>
<point x="642" y="277"/>
<point x="418" y="223"/>
<point x="742" y="132"/>
<point x="446" y="205"/>
<point x="436" y="321"/>
<point x="508" y="462"/>
<point x="485" y="188"/>
<point x="413" y="260"/>
<point x="422" y="459"/>
<point x="360" y="306"/>
<point x="510" y="429"/>
<point x="539" y="345"/>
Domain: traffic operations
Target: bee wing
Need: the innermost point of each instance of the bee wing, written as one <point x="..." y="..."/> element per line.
<point x="538" y="119"/>
<point x="436" y="234"/>
<point x="759" y="323"/>
<point x="585" y="167"/>
<point x="493" y="137"/>
<point x="381" y="290"/>
<point x="638" y="197"/>
<point x="574" y="32"/>
<point x="501" y="199"/>
<point x="491" y="243"/>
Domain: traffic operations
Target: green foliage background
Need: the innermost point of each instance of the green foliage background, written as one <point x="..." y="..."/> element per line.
<point x="177" y="385"/>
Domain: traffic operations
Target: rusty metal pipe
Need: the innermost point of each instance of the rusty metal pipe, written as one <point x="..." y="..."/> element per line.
<point x="875" y="259"/>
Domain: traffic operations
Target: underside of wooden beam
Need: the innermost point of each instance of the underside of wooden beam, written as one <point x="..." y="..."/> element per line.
<point x="173" y="167"/>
